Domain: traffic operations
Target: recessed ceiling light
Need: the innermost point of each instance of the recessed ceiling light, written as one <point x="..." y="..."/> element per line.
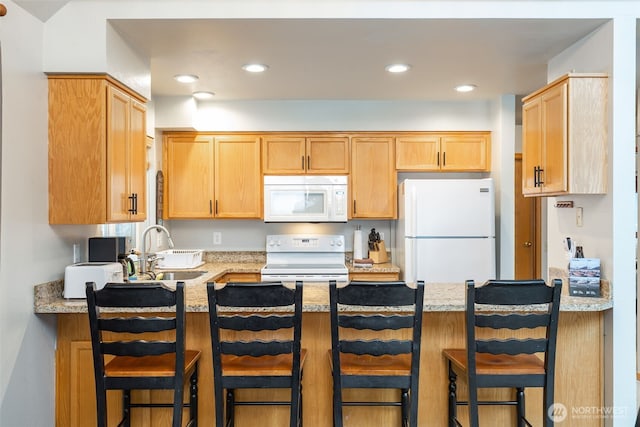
<point x="186" y="78"/>
<point x="203" y="95"/>
<point x="466" y="88"/>
<point x="397" y="68"/>
<point x="255" y="68"/>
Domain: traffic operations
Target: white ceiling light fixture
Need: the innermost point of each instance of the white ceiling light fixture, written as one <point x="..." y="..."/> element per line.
<point x="186" y="78"/>
<point x="466" y="88"/>
<point x="255" y="68"/>
<point x="203" y="95"/>
<point x="397" y="68"/>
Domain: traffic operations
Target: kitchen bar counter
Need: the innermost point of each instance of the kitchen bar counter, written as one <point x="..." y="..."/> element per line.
<point x="438" y="296"/>
<point x="579" y="378"/>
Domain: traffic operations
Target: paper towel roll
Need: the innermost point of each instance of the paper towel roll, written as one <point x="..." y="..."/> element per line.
<point x="357" y="244"/>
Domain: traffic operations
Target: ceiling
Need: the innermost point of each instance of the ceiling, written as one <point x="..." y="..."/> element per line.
<point x="345" y="59"/>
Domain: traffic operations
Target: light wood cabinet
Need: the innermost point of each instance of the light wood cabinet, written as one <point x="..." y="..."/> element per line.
<point x="188" y="176"/>
<point x="564" y="137"/>
<point x="97" y="151"/>
<point x="212" y="176"/>
<point x="373" y="177"/>
<point x="238" y="180"/>
<point x="378" y="276"/>
<point x="294" y="155"/>
<point x="444" y="152"/>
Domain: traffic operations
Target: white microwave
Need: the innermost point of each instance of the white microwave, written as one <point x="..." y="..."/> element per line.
<point x="305" y="198"/>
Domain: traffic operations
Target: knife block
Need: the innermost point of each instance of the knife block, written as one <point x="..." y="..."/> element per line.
<point x="379" y="256"/>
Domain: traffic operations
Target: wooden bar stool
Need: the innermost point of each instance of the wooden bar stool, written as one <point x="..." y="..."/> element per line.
<point x="493" y="360"/>
<point x="243" y="357"/>
<point x="158" y="361"/>
<point x="388" y="361"/>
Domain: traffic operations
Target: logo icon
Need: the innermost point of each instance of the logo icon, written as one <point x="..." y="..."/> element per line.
<point x="557" y="412"/>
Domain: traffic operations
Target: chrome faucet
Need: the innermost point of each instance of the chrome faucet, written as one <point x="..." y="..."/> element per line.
<point x="143" y="259"/>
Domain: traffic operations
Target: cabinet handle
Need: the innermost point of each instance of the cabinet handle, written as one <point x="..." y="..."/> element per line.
<point x="444" y="159"/>
<point x="354" y="207"/>
<point x="308" y="162"/>
<point x="216" y="207"/>
<point x="438" y="159"/>
<point x="210" y="207"/>
<point x="135" y="203"/>
<point x="535" y="176"/>
<point x="131" y="204"/>
<point x="302" y="158"/>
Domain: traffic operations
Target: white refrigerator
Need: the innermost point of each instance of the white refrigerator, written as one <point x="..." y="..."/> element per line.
<point x="446" y="230"/>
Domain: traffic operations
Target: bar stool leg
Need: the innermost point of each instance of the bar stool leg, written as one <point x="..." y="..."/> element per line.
<point x="453" y="407"/>
<point x="404" y="405"/>
<point x="520" y="407"/>
<point x="193" y="398"/>
<point x="230" y="408"/>
<point x="126" y="408"/>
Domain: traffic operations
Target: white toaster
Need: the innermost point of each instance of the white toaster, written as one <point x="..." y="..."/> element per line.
<point x="76" y="275"/>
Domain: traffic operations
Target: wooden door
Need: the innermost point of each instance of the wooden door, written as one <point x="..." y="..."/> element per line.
<point x="118" y="125"/>
<point x="283" y="155"/>
<point x="418" y="153"/>
<point x="531" y="145"/>
<point x="138" y="160"/>
<point x="238" y="179"/>
<point x="464" y="153"/>
<point x="527" y="229"/>
<point x="327" y="155"/>
<point x="554" y="153"/>
<point x="188" y="170"/>
<point x="373" y="178"/>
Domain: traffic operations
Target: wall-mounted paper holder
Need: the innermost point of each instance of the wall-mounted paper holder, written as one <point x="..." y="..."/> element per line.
<point x="564" y="204"/>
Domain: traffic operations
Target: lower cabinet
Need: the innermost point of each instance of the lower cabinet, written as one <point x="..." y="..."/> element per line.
<point x="374" y="276"/>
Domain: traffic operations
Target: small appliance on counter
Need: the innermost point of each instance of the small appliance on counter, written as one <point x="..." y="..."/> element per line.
<point x="76" y="276"/>
<point x="112" y="249"/>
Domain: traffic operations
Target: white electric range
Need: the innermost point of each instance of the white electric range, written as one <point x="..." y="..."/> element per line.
<point x="306" y="257"/>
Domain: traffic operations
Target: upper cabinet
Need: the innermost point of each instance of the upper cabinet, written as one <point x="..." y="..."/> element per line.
<point x="373" y="177"/>
<point x="294" y="155"/>
<point x="444" y="152"/>
<point x="564" y="137"/>
<point x="97" y="151"/>
<point x="212" y="176"/>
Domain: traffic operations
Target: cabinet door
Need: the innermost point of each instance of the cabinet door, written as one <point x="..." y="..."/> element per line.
<point x="554" y="147"/>
<point x="373" y="177"/>
<point x="531" y="145"/>
<point x="327" y="155"/>
<point x="283" y="155"/>
<point x="118" y="122"/>
<point x="418" y="153"/>
<point x="138" y="160"/>
<point x="238" y="181"/>
<point x="464" y="152"/>
<point x="188" y="165"/>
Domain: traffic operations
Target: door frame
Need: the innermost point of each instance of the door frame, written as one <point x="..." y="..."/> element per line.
<point x="537" y="226"/>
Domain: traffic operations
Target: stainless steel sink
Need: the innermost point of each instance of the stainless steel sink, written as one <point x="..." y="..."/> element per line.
<point x="178" y="274"/>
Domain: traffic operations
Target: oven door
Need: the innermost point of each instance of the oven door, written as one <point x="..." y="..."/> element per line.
<point x="297" y="203"/>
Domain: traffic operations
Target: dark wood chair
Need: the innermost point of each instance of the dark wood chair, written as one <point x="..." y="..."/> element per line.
<point x="243" y="357"/>
<point x="507" y="352"/>
<point x="157" y="360"/>
<point x="392" y="310"/>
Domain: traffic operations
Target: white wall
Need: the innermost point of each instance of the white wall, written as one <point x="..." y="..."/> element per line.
<point x="609" y="220"/>
<point x="31" y="251"/>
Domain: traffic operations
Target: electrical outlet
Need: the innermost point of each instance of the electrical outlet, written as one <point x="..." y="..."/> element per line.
<point x="579" y="217"/>
<point x="217" y="238"/>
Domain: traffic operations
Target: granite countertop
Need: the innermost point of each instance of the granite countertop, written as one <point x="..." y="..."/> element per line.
<point x="438" y="296"/>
